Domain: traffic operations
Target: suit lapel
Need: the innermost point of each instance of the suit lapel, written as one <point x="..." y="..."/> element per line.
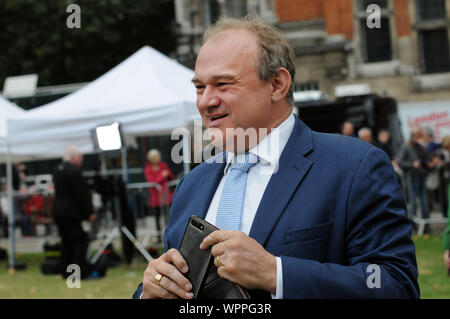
<point x="293" y="167"/>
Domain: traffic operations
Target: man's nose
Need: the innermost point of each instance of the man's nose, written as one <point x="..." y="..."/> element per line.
<point x="207" y="99"/>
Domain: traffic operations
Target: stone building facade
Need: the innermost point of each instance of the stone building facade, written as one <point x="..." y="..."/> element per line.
<point x="336" y="42"/>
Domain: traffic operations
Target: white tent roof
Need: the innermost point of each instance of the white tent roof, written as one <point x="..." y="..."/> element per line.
<point x="148" y="93"/>
<point x="7" y="109"/>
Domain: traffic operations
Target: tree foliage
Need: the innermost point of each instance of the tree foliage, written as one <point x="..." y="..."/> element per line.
<point x="34" y="37"/>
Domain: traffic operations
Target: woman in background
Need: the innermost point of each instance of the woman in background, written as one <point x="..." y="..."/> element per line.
<point x="156" y="171"/>
<point x="445" y="157"/>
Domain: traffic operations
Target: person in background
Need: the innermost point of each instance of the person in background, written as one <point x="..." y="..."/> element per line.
<point x="446" y="147"/>
<point x="156" y="171"/>
<point x="4" y="211"/>
<point x="433" y="179"/>
<point x="72" y="204"/>
<point x="446" y="166"/>
<point x="437" y="178"/>
<point x="23" y="215"/>
<point x="383" y="142"/>
<point x="428" y="140"/>
<point x="413" y="159"/>
<point x="443" y="154"/>
<point x="365" y="134"/>
<point x="348" y="129"/>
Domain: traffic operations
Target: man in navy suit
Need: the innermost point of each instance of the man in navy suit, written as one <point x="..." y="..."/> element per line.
<point x="322" y="215"/>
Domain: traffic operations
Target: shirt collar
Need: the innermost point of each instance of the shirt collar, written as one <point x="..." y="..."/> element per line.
<point x="269" y="149"/>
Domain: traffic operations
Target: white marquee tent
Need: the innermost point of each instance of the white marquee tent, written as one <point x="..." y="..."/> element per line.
<point x="148" y="93"/>
<point x="7" y="109"/>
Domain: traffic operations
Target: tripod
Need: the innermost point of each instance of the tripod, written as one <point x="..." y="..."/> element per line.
<point x="116" y="231"/>
<point x="115" y="198"/>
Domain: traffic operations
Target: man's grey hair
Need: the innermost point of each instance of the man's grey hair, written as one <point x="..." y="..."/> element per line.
<point x="152" y="154"/>
<point x="364" y="130"/>
<point x="274" y="50"/>
<point x="71" y="152"/>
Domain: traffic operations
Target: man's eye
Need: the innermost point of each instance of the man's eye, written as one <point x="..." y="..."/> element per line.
<point x="222" y="84"/>
<point x="199" y="87"/>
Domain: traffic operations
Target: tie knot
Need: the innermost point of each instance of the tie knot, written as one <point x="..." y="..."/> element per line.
<point x="244" y="164"/>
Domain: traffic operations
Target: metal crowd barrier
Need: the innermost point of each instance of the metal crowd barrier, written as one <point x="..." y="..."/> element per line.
<point x="164" y="208"/>
<point x="25" y="195"/>
<point x="419" y="220"/>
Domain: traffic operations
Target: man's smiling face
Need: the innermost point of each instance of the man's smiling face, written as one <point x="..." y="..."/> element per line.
<point x="229" y="91"/>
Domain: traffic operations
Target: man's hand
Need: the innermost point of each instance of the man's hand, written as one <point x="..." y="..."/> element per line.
<point x="447" y="259"/>
<point x="165" y="173"/>
<point x="173" y="284"/>
<point x="242" y="260"/>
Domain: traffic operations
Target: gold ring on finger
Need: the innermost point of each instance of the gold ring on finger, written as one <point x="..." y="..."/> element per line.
<point x="218" y="261"/>
<point x="158" y="278"/>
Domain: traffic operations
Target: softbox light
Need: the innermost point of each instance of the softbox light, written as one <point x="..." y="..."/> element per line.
<point x="108" y="137"/>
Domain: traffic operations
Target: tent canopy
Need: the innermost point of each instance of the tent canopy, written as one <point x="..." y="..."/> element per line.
<point x="148" y="93"/>
<point x="7" y="109"/>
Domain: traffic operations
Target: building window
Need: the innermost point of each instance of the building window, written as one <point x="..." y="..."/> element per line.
<point x="433" y="41"/>
<point x="307" y="86"/>
<point x="363" y="4"/>
<point x="376" y="42"/>
<point x="236" y="8"/>
<point x="430" y="9"/>
<point x="214" y="11"/>
<point x="434" y="51"/>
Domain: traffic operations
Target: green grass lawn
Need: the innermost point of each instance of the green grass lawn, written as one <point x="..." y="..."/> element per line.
<point x="433" y="279"/>
<point x="121" y="281"/>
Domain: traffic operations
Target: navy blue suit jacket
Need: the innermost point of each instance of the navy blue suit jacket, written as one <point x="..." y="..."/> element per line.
<point x="333" y="208"/>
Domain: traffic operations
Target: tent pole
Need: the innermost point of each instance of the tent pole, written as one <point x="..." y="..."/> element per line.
<point x="12" y="235"/>
<point x="124" y="165"/>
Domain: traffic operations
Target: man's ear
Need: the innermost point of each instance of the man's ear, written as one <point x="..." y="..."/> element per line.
<point x="281" y="82"/>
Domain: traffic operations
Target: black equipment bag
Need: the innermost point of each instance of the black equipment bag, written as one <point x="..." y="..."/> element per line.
<point x="52" y="262"/>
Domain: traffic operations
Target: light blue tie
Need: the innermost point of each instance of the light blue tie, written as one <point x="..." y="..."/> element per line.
<point x="232" y="198"/>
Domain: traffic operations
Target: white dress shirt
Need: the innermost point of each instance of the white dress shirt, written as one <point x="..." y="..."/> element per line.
<point x="268" y="150"/>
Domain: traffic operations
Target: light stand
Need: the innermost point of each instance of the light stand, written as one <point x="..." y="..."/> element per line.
<point x="107" y="139"/>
